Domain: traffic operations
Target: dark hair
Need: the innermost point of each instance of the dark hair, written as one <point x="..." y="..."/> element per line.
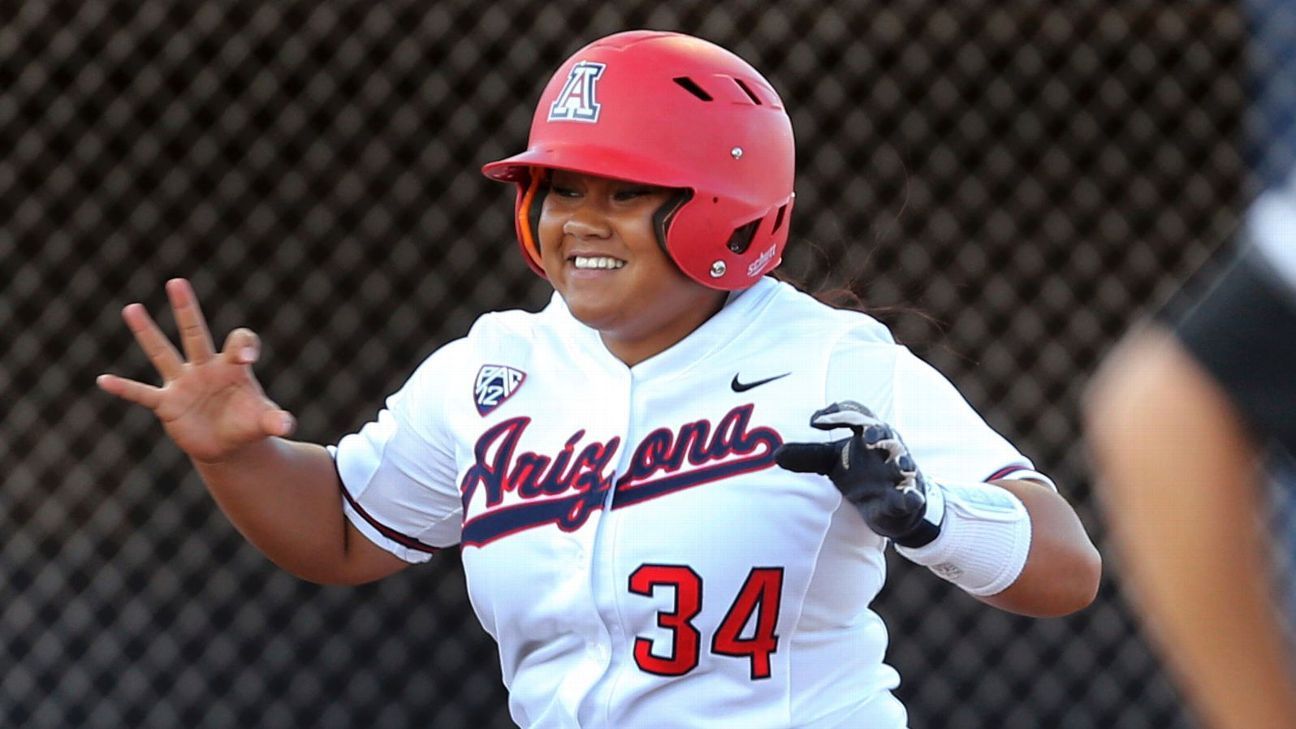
<point x="843" y="296"/>
<point x="833" y="291"/>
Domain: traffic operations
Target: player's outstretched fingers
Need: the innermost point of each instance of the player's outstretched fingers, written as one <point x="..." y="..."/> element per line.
<point x="130" y="390"/>
<point x="166" y="360"/>
<point x="242" y="346"/>
<point x="194" y="336"/>
<point x="883" y="438"/>
<point x="875" y="434"/>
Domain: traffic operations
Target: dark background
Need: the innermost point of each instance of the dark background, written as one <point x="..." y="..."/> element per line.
<point x="1009" y="186"/>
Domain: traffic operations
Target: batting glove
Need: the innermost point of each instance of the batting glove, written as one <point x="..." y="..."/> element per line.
<point x="873" y="470"/>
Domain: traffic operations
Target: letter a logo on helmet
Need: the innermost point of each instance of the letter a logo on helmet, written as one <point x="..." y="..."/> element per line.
<point x="577" y="101"/>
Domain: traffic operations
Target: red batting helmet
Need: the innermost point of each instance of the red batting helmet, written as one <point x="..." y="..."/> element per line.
<point x="676" y="111"/>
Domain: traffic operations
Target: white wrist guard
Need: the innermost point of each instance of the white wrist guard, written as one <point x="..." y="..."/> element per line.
<point x="985" y="536"/>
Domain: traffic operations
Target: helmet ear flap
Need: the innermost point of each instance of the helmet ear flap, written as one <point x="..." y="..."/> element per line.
<point x="666" y="213"/>
<point x="530" y="203"/>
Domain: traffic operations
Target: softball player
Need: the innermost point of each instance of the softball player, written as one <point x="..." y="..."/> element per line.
<point x="674" y="485"/>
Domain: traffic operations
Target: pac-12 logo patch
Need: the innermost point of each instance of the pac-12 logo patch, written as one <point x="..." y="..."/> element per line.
<point x="578" y="100"/>
<point x="495" y="384"/>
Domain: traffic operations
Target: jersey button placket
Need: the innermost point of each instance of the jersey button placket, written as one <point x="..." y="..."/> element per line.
<point x="604" y="583"/>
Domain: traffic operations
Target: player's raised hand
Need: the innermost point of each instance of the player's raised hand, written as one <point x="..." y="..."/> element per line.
<point x="872" y="468"/>
<point x="209" y="402"/>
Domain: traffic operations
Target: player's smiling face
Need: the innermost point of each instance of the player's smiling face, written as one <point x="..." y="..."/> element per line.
<point x="600" y="252"/>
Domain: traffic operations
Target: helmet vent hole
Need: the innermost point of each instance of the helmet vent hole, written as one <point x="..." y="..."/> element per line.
<point x="742" y="237"/>
<point x="747" y="90"/>
<point x="691" y="86"/>
<point x="778" y="219"/>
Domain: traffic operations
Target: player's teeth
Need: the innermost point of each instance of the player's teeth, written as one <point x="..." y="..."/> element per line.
<point x="598" y="262"/>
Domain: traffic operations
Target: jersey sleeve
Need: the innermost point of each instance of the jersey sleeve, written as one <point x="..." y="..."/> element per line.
<point x="398" y="471"/>
<point x="949" y="440"/>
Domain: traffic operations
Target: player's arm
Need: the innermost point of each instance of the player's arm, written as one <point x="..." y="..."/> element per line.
<point x="1180" y="486"/>
<point x="1062" y="569"/>
<point x="284" y="496"/>
<point x="981" y="537"/>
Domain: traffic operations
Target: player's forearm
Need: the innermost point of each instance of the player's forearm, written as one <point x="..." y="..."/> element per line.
<point x="1180" y="491"/>
<point x="283" y="496"/>
<point x="1063" y="568"/>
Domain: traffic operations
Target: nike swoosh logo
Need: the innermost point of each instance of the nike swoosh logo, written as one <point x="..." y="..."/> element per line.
<point x="745" y="386"/>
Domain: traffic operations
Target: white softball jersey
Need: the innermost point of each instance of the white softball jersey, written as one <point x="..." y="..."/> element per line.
<point x="626" y="536"/>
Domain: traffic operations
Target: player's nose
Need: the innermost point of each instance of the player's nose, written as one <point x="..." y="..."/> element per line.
<point x="585" y="222"/>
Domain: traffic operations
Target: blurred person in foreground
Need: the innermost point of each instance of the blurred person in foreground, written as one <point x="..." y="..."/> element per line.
<point x="1182" y="420"/>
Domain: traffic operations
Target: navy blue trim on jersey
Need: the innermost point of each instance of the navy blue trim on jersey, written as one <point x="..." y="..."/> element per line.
<point x="1006" y="471"/>
<point x="402" y="539"/>
<point x="502" y="522"/>
<point x="640" y="492"/>
<point x="1243" y="332"/>
<point x="569" y="513"/>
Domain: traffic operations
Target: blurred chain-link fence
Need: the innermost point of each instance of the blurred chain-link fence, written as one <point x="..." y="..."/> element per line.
<point x="1009" y="184"/>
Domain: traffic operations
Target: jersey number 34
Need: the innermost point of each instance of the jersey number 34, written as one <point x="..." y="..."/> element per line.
<point x="759" y="596"/>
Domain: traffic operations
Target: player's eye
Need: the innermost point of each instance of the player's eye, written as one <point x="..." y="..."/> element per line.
<point x="563" y="190"/>
<point x="631" y="193"/>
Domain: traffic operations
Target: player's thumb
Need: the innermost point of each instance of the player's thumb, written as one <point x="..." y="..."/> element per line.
<point x="817" y="458"/>
<point x="242" y="346"/>
<point x="277" y="421"/>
